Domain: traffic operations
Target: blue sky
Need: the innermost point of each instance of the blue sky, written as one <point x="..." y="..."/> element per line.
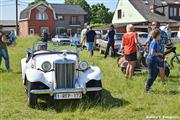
<point x="8" y="10"/>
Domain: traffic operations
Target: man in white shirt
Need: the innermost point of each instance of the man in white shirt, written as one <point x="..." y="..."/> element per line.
<point x="83" y="35"/>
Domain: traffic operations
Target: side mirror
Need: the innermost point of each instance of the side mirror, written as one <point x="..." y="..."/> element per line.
<point x="28" y="51"/>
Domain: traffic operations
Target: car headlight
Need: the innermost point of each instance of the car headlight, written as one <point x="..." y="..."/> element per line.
<point x="46" y="66"/>
<point x="83" y="65"/>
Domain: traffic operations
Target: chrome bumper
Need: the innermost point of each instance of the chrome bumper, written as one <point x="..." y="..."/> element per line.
<point x="66" y="90"/>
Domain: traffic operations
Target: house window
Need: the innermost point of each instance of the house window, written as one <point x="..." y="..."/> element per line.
<point x="41" y="16"/>
<point x="44" y="30"/>
<point x="172" y="12"/>
<point x="60" y="17"/>
<point x="119" y="14"/>
<point x="31" y="31"/>
<point x="74" y="19"/>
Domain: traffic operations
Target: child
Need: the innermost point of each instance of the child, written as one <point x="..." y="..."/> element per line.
<point x="152" y="59"/>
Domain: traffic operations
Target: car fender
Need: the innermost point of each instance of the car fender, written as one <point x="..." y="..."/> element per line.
<point x="93" y="73"/>
<point x="34" y="75"/>
<point x="23" y="67"/>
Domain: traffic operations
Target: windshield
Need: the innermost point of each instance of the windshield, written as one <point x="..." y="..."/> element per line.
<point x="50" y="46"/>
<point x="118" y="37"/>
<point x="61" y="36"/>
<point x="143" y="35"/>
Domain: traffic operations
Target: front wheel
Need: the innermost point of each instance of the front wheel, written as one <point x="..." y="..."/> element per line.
<point x="32" y="98"/>
<point x="167" y="71"/>
<point x="96" y="95"/>
<point x="175" y="60"/>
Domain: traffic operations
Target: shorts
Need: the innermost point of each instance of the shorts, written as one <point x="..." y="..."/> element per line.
<point x="90" y="46"/>
<point x="161" y="64"/>
<point x="131" y="57"/>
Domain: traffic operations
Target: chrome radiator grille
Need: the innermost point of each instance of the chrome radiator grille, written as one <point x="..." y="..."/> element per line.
<point x="65" y="74"/>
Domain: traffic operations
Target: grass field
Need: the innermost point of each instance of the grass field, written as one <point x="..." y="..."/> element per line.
<point x="122" y="99"/>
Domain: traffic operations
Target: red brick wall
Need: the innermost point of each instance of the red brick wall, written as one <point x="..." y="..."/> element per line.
<point x="37" y="24"/>
<point x="23" y="28"/>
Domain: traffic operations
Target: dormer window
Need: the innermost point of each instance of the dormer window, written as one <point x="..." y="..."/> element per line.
<point x="41" y="16"/>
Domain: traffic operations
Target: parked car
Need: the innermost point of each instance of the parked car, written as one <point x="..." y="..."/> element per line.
<point x="142" y="37"/>
<point x="75" y="39"/>
<point x="174" y="36"/>
<point x="58" y="73"/>
<point x="98" y="37"/>
<point x="61" y="39"/>
<point x="118" y="43"/>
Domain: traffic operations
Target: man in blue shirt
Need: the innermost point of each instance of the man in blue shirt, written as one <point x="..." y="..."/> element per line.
<point x="90" y="37"/>
<point x="162" y="42"/>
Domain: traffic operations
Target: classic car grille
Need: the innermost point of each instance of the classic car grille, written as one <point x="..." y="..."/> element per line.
<point x="65" y="74"/>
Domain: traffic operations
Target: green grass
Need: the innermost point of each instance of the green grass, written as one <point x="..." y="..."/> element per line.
<point x="122" y="99"/>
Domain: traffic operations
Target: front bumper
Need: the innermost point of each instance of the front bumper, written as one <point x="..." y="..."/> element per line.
<point x="66" y="90"/>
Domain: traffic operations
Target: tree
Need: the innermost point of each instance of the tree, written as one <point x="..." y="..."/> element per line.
<point x="84" y="5"/>
<point x="100" y="14"/>
<point x="37" y="1"/>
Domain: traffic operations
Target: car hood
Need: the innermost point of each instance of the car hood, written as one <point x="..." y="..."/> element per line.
<point x="52" y="58"/>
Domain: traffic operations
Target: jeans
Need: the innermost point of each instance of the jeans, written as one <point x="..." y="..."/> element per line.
<point x="152" y="73"/>
<point x="4" y="54"/>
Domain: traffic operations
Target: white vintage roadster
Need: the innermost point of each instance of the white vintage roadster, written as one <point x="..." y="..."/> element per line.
<point x="56" y="71"/>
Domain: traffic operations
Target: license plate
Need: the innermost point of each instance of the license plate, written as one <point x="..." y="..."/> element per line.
<point x="68" y="96"/>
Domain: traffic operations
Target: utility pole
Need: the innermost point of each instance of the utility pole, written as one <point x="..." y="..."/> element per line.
<point x="17" y="30"/>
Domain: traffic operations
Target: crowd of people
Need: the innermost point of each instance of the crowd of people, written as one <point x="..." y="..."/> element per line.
<point x="155" y="42"/>
<point x="156" y="47"/>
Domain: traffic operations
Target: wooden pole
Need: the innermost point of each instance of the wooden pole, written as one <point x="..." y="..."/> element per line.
<point x="17" y="30"/>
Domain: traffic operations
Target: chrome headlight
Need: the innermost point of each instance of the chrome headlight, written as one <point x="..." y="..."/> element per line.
<point x="46" y="66"/>
<point x="83" y="65"/>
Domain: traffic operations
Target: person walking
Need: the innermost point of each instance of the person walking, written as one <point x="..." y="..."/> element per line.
<point x="129" y="42"/>
<point x="44" y="39"/>
<point x="162" y="42"/>
<point x="152" y="59"/>
<point x="4" y="50"/>
<point x="110" y="36"/>
<point x="83" y="35"/>
<point x="90" y="37"/>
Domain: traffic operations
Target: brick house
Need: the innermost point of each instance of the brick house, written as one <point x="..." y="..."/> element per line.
<point x="142" y="12"/>
<point x="51" y="18"/>
<point x="69" y="17"/>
